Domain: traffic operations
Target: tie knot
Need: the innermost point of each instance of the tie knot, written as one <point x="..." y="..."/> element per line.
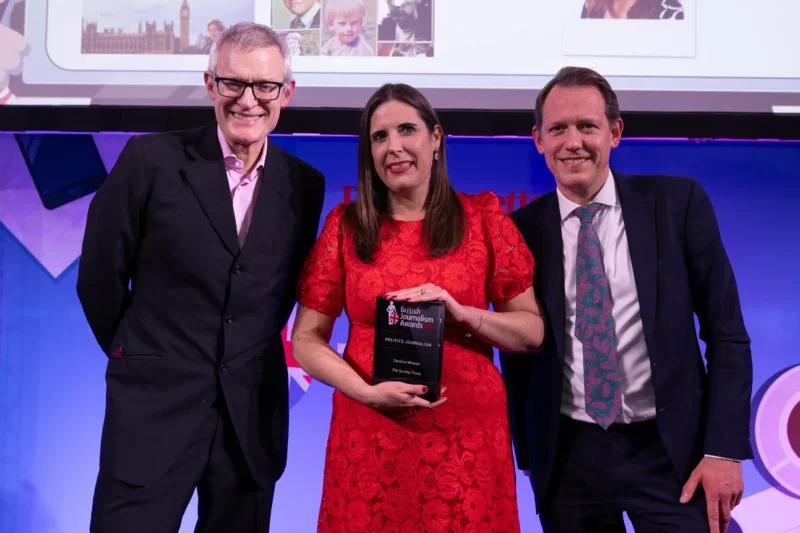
<point x="587" y="212"/>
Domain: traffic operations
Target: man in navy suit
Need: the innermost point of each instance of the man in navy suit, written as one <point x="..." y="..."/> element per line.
<point x="618" y="413"/>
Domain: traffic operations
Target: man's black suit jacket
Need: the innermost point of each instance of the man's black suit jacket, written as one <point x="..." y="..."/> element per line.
<point x="681" y="270"/>
<point x="184" y="315"/>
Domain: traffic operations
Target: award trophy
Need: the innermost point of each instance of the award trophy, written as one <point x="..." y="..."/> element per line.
<point x="409" y="344"/>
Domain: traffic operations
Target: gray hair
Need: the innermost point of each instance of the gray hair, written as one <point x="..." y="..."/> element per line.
<point x="249" y="35"/>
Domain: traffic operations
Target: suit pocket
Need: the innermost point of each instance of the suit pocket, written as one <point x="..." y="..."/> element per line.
<point x="130" y="345"/>
<point x="141" y="355"/>
<point x="121" y="353"/>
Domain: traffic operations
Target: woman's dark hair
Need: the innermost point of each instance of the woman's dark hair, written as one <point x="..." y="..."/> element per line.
<point x="445" y="223"/>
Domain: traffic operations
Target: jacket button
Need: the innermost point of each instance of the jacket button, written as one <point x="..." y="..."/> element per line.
<point x="237" y="269"/>
<point x="228" y="319"/>
<point x="223" y="368"/>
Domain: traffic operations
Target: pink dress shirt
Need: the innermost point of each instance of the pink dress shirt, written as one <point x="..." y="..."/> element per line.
<point x="243" y="188"/>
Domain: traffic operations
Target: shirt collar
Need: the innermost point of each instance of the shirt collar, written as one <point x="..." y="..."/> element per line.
<point x="607" y="195"/>
<point x="231" y="161"/>
<point x="309" y="15"/>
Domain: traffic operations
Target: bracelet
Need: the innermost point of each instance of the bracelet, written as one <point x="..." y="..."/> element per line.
<point x="481" y="324"/>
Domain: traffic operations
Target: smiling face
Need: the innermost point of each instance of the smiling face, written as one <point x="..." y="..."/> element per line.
<point x="402" y="147"/>
<point x="576" y="140"/>
<point x="347" y="26"/>
<point x="246" y="120"/>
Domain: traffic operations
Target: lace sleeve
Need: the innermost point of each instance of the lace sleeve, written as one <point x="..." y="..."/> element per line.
<point x="511" y="263"/>
<point x="322" y="282"/>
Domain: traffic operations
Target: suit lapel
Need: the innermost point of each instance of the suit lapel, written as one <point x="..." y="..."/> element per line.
<point x="206" y="175"/>
<point x="270" y="216"/>
<point x="553" y="273"/>
<point x="638" y="213"/>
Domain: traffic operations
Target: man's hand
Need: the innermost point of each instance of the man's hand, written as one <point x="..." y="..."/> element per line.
<point x="723" y="485"/>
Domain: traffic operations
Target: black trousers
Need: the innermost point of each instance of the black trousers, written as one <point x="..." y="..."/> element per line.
<point x="599" y="473"/>
<point x="212" y="463"/>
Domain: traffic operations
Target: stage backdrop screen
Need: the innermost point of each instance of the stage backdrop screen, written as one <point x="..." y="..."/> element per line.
<point x="52" y="388"/>
<point x="661" y="55"/>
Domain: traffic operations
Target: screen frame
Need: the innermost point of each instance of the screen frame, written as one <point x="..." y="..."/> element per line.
<point x="317" y="110"/>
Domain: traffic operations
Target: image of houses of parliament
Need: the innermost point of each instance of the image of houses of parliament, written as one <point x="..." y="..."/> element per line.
<point x="148" y="40"/>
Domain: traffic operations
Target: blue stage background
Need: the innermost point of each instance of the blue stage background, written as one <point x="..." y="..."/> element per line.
<point x="52" y="372"/>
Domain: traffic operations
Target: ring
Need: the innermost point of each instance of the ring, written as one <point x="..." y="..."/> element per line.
<point x="422" y="292"/>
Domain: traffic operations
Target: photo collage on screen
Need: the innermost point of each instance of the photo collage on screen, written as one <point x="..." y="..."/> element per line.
<point x="399" y="28"/>
<point x="392" y="28"/>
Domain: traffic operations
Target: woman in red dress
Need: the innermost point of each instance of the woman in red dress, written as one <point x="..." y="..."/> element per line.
<point x="396" y="463"/>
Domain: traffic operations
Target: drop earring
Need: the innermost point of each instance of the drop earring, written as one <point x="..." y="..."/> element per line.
<point x="436" y="155"/>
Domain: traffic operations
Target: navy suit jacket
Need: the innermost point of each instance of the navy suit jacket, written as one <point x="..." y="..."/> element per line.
<point x="681" y="270"/>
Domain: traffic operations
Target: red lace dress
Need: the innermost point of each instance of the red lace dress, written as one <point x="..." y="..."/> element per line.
<point x="447" y="469"/>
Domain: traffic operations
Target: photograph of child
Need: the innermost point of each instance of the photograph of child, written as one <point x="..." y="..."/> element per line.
<point x="302" y="42"/>
<point x="349" y="28"/>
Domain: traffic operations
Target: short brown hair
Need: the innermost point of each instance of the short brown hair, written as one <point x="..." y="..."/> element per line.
<point x="342" y="8"/>
<point x="579" y="77"/>
<point x="445" y="222"/>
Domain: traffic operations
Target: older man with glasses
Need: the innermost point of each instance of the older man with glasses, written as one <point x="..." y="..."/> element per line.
<point x="192" y="251"/>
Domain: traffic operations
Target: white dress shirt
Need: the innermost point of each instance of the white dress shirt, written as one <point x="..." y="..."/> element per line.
<point x="636" y="386"/>
<point x="308" y="17"/>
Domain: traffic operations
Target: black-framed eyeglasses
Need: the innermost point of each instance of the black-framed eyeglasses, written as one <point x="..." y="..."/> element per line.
<point x="263" y="91"/>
